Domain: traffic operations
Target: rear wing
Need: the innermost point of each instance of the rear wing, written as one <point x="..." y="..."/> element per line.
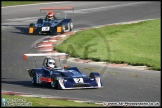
<point x="63" y="8"/>
<point x="59" y="8"/>
<point x="45" y="55"/>
<point x="51" y="55"/>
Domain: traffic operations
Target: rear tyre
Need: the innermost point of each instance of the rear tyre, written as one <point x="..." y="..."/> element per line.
<point x="62" y="29"/>
<point x="71" y="26"/>
<point x="34" y="78"/>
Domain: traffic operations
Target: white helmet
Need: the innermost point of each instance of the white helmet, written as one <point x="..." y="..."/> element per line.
<point x="51" y="63"/>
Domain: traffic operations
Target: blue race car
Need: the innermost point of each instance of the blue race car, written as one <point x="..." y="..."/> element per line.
<point x="54" y="26"/>
<point x="67" y="77"/>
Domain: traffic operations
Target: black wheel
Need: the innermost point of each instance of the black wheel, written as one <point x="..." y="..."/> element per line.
<point x="71" y="26"/>
<point x="54" y="81"/>
<point x="31" y="28"/>
<point x="40" y="21"/>
<point x="91" y="75"/>
<point x="62" y="29"/>
<point x="94" y="74"/>
<point x="34" y="78"/>
<point x="32" y="25"/>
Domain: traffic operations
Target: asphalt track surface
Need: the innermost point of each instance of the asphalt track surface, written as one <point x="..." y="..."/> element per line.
<point x="120" y="84"/>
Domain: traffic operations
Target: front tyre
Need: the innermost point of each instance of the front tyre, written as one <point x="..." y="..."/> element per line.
<point x="54" y="80"/>
<point x="94" y="75"/>
<point x="31" y="28"/>
<point x="40" y="21"/>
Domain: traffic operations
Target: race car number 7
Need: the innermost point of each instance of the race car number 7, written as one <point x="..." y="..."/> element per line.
<point x="45" y="28"/>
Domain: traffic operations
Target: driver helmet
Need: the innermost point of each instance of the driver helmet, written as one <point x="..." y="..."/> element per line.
<point x="50" y="14"/>
<point x="51" y="63"/>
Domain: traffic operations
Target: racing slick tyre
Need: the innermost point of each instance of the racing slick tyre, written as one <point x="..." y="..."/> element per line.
<point x="71" y="26"/>
<point x="62" y="29"/>
<point x="40" y="21"/>
<point x="94" y="75"/>
<point x="31" y="28"/>
<point x="54" y="81"/>
<point x="34" y="78"/>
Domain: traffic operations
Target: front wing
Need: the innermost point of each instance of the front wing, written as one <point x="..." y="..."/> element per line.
<point x="47" y="30"/>
<point x="79" y="83"/>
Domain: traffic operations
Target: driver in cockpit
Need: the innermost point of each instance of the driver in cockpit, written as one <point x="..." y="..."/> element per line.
<point x="50" y="16"/>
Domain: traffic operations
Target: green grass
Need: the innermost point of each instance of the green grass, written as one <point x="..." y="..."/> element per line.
<point x="135" y="44"/>
<point x="47" y="102"/>
<point x="13" y="3"/>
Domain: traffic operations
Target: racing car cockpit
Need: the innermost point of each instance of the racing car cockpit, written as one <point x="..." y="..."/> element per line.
<point x="50" y="16"/>
<point x="48" y="64"/>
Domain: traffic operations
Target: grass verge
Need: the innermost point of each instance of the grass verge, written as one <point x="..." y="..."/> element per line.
<point x="15" y="100"/>
<point x="135" y="44"/>
<point x="13" y="3"/>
